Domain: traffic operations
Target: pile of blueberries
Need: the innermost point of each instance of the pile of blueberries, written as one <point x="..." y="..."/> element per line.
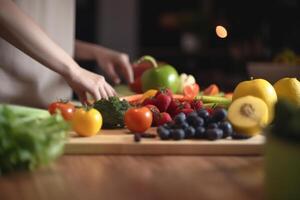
<point x="199" y="124"/>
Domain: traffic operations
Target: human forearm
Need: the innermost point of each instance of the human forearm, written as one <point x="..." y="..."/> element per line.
<point x="22" y="32"/>
<point x="108" y="59"/>
<point x="85" y="50"/>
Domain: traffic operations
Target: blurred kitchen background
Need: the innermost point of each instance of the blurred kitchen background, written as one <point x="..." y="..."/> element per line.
<point x="185" y="34"/>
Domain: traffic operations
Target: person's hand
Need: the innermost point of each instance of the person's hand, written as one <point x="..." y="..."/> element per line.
<point x="114" y="64"/>
<point x="83" y="81"/>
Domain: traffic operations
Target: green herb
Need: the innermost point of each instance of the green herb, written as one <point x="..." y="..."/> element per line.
<point x="112" y="111"/>
<point x="29" y="138"/>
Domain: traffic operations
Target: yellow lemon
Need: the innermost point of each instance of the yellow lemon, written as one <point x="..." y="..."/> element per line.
<point x="258" y="88"/>
<point x="288" y="89"/>
<point x="248" y="115"/>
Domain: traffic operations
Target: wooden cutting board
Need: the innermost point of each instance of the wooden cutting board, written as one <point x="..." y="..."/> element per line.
<point x="120" y="142"/>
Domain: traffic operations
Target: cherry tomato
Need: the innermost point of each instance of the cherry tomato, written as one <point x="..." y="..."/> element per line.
<point x="67" y="109"/>
<point x="138" y="120"/>
<point x="87" y="122"/>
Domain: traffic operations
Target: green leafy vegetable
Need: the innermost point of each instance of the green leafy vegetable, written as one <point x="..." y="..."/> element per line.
<point x="112" y="111"/>
<point x="29" y="138"/>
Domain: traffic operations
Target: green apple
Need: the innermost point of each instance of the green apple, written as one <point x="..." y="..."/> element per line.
<point x="161" y="76"/>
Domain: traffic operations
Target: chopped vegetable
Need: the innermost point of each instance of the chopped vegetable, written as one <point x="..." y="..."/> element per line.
<point x="29" y="138"/>
<point x="212" y="89"/>
<point x="112" y="111"/>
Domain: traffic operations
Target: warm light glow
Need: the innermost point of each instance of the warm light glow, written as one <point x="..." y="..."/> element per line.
<point x="221" y="31"/>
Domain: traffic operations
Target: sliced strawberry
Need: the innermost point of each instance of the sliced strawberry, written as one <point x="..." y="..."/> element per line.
<point x="191" y="91"/>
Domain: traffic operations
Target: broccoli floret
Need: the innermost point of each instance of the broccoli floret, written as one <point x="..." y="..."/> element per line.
<point x="112" y="111"/>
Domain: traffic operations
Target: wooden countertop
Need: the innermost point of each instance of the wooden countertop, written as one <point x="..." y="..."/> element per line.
<point x="139" y="177"/>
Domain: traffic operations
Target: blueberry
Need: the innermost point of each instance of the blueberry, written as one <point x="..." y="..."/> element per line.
<point x="218" y="115"/>
<point x="197" y="122"/>
<point x="180" y="118"/>
<point x="214" y="134"/>
<point x="227" y="129"/>
<point x="163" y="133"/>
<point x="167" y="125"/>
<point x="137" y="137"/>
<point x="178" y="134"/>
<point x="190" y="132"/>
<point x="212" y="125"/>
<point x="204" y="114"/>
<point x="184" y="125"/>
<point x="191" y="117"/>
<point x="239" y="136"/>
<point x="200" y="132"/>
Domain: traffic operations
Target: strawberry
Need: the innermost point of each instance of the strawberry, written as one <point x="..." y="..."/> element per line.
<point x="155" y="113"/>
<point x="163" y="102"/>
<point x="197" y="104"/>
<point x="186" y="111"/>
<point x="165" y="91"/>
<point x="173" y="107"/>
<point x="164" y="118"/>
<point x="181" y="106"/>
<point x="209" y="110"/>
<point x="149" y="101"/>
<point x="185" y="105"/>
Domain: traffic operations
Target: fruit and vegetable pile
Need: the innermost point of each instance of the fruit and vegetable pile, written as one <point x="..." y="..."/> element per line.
<point x="173" y="104"/>
<point x="176" y="106"/>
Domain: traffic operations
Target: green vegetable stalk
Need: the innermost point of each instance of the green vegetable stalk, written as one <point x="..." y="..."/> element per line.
<point x="214" y="100"/>
<point x="29" y="138"/>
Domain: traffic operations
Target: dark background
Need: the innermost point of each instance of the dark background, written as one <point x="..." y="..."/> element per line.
<point x="182" y="33"/>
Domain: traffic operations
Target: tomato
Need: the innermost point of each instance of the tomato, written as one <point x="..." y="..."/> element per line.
<point x="87" y="122"/>
<point x="67" y="109"/>
<point x="138" y="119"/>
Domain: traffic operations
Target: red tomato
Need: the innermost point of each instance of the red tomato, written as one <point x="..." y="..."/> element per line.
<point x="138" y="120"/>
<point x="67" y="109"/>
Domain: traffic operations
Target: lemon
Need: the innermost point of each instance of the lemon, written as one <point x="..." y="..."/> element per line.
<point x="259" y="88"/>
<point x="248" y="115"/>
<point x="288" y="89"/>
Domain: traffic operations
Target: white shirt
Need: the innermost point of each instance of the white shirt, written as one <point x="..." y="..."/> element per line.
<point x="23" y="80"/>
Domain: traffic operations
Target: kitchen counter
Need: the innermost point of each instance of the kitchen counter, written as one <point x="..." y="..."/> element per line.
<point x="139" y="177"/>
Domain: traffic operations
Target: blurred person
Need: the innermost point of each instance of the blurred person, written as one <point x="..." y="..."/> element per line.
<point x="48" y="71"/>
